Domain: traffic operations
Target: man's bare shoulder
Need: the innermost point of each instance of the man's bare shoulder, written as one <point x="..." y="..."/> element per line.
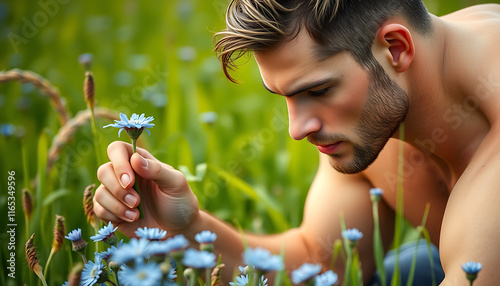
<point x="477" y="12"/>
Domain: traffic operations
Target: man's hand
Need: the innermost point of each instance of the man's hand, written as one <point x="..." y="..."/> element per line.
<point x="167" y="201"/>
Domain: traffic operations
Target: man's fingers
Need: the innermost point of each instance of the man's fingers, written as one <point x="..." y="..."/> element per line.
<point x="119" y="154"/>
<point x="166" y="177"/>
<point x="107" y="207"/>
<point x="106" y="175"/>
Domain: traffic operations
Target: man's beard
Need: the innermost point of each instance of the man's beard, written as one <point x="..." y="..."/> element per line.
<point x="386" y="107"/>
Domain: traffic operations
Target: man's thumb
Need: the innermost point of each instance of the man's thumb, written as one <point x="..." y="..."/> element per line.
<point x="162" y="174"/>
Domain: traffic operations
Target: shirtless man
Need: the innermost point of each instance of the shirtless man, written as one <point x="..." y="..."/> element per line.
<point x="351" y="73"/>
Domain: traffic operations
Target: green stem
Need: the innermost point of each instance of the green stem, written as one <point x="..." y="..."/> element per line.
<point x="378" y="247"/>
<point x="48" y="262"/>
<point x="347" y="270"/>
<point x="42" y="278"/>
<point x="207" y="276"/>
<point x="84" y="258"/>
<point x="94" y="135"/>
<point x="180" y="272"/>
<point x="136" y="185"/>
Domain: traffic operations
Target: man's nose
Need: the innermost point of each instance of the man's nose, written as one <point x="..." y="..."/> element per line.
<point x="302" y="120"/>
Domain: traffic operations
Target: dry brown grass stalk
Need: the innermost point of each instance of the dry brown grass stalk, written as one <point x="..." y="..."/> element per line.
<point x="66" y="132"/>
<point x="42" y="84"/>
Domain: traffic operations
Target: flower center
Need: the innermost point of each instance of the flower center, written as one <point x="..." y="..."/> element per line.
<point x="142" y="275"/>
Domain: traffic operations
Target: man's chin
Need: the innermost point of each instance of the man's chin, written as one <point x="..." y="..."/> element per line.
<point x="350" y="166"/>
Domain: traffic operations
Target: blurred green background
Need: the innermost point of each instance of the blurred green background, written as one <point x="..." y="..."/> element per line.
<point x="153" y="57"/>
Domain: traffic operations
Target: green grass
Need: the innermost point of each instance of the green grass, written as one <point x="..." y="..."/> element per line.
<point x="256" y="175"/>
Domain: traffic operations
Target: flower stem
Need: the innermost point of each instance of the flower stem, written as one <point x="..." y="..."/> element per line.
<point x="136" y="185"/>
<point x="94" y="134"/>
<point x="48" y="262"/>
<point x="378" y="248"/>
<point x="84" y="258"/>
<point x="207" y="277"/>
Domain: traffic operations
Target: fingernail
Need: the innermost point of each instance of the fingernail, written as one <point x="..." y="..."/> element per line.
<point x="144" y="162"/>
<point x="130" y="200"/>
<point x="130" y="215"/>
<point x="124" y="180"/>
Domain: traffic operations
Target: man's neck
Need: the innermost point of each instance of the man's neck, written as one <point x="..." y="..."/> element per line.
<point x="444" y="120"/>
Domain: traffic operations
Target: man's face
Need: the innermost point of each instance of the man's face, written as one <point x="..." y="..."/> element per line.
<point x="348" y="113"/>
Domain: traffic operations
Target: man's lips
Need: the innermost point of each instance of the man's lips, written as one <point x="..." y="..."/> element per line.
<point x="330" y="148"/>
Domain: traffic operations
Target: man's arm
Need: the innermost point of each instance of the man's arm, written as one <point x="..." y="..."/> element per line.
<point x="470" y="230"/>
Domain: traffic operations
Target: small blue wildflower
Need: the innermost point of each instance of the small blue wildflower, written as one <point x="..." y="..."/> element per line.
<point x="134" y="126"/>
<point x="472" y="267"/>
<point x="74" y="235"/>
<point x="305" y="272"/>
<point x="205" y="236"/>
<point x="106" y="234"/>
<point x="208" y="117"/>
<point x="376" y="192"/>
<point x="93" y="273"/>
<point x="135" y="249"/>
<point x="198" y="259"/>
<point x="85" y="59"/>
<point x="352" y="234"/>
<point x="326" y="279"/>
<point x="142" y="274"/>
<point x="471" y="270"/>
<point x="262" y="259"/>
<point x="177" y="242"/>
<point x="106" y="254"/>
<point x="160" y="248"/>
<point x="242" y="280"/>
<point x="77" y="242"/>
<point x="150" y="233"/>
<point x="7" y="129"/>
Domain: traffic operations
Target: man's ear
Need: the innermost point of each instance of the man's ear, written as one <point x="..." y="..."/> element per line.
<point x="397" y="40"/>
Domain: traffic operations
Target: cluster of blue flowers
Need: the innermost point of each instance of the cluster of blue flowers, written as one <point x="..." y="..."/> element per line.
<point x="151" y="259"/>
<point x="146" y="260"/>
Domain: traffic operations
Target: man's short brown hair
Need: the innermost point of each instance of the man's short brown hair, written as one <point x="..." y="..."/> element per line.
<point x="336" y="25"/>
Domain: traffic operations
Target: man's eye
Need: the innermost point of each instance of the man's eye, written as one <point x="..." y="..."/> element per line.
<point x="319" y="92"/>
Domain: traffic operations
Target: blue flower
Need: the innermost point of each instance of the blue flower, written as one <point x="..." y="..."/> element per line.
<point x="7" y="129"/>
<point x="106" y="234"/>
<point x="106" y="254"/>
<point x="177" y="242"/>
<point x="352" y="234"/>
<point x="150" y="233"/>
<point x="142" y="274"/>
<point x="262" y="259"/>
<point x="376" y="191"/>
<point x="137" y="249"/>
<point x="198" y="259"/>
<point x="93" y="273"/>
<point x="134" y="126"/>
<point x="74" y="235"/>
<point x="242" y="280"/>
<point x="471" y="267"/>
<point x="205" y="236"/>
<point x="208" y="117"/>
<point x="77" y="242"/>
<point x="305" y="272"/>
<point x="326" y="279"/>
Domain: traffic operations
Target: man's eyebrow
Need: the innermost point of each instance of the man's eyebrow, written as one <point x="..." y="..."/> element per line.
<point x="304" y="87"/>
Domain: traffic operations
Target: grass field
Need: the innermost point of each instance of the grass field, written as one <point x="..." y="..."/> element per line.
<point x="153" y="57"/>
